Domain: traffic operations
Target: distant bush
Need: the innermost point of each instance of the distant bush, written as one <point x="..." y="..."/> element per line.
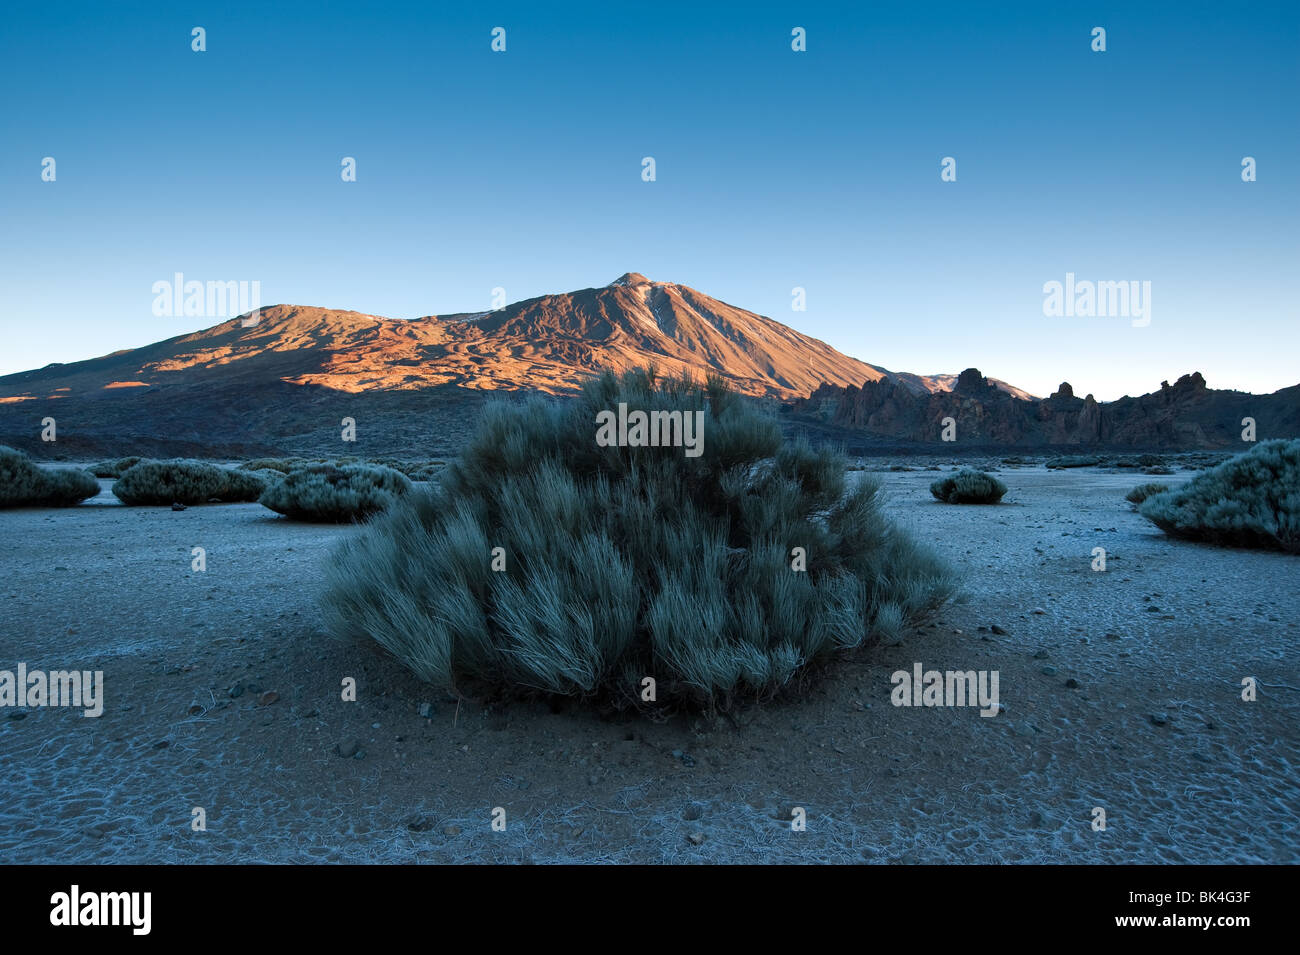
<point x="24" y="484"/>
<point x="619" y="563"/>
<point x="328" y="493"/>
<point x="113" y="469"/>
<point x="1200" y="461"/>
<point x="968" y="486"/>
<point x="1072" y="461"/>
<point x="283" y="465"/>
<point x="393" y="464"/>
<point x="428" y="472"/>
<point x="1252" y="500"/>
<point x="1144" y="491"/>
<point x="185" y="482"/>
<point x="241" y="486"/>
<point x="415" y="470"/>
<point x="1150" y="461"/>
<point x="67" y="486"/>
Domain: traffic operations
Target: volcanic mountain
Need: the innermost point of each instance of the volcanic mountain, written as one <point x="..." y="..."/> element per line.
<point x="548" y="344"/>
<point x="286" y="377"/>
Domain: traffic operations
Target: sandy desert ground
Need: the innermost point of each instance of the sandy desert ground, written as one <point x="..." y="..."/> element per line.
<point x="1121" y="691"/>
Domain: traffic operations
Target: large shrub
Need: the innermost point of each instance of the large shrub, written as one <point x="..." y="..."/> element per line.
<point x="968" y="486"/>
<point x="186" y="482"/>
<point x="1144" y="491"/>
<point x="24" y="484"/>
<point x="1252" y="500"/>
<point x="543" y="561"/>
<point x="325" y="492"/>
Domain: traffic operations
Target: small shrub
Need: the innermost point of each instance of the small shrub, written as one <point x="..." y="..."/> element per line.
<point x="412" y="469"/>
<point x="113" y="469"/>
<point x="626" y="562"/>
<point x="65" y="487"/>
<point x="1150" y="461"/>
<point x="328" y="493"/>
<point x="1252" y="500"/>
<point x="241" y="485"/>
<point x="393" y="464"/>
<point x="1072" y="461"/>
<point x="282" y="465"/>
<point x="1144" y="491"/>
<point x="968" y="486"/>
<point x="24" y="484"/>
<point x="185" y="482"/>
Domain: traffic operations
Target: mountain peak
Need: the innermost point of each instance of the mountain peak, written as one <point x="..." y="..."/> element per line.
<point x="551" y="343"/>
<point x="629" y="278"/>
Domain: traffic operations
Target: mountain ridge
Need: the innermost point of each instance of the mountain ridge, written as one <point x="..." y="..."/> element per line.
<point x="548" y="343"/>
<point x="287" y="379"/>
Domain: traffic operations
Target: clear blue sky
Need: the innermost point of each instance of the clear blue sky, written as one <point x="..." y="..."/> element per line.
<point x="775" y="169"/>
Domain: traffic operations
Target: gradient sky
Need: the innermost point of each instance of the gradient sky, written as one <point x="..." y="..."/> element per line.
<point x="775" y="169"/>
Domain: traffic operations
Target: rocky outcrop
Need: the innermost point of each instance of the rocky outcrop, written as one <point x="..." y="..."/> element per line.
<point x="1186" y="414"/>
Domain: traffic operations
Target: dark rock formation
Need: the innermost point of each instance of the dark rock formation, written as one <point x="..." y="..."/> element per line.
<point x="1186" y="414"/>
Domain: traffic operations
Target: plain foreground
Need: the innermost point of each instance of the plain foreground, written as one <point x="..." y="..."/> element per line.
<point x="1121" y="691"/>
